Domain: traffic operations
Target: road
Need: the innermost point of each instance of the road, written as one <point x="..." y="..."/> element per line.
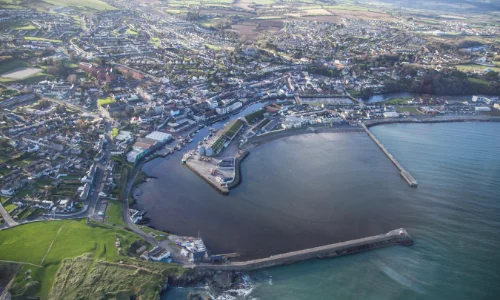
<point x="174" y="250"/>
<point x="7" y="218"/>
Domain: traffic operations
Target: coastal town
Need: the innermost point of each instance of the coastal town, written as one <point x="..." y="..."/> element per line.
<point x="90" y="93"/>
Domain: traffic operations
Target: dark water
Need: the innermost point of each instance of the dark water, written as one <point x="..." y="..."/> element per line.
<point x="454" y="214"/>
<point x="296" y="193"/>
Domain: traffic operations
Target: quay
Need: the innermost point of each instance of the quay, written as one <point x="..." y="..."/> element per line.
<point x="394" y="237"/>
<point x="405" y="174"/>
<point x="202" y="169"/>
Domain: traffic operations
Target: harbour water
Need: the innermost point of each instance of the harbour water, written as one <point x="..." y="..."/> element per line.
<point x="453" y="215"/>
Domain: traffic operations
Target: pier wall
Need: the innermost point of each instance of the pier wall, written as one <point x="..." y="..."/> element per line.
<point x="428" y="119"/>
<point x="405" y="174"/>
<point x="394" y="237"/>
<point x="237" y="170"/>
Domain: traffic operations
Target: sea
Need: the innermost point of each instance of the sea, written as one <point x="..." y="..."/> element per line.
<point x="315" y="189"/>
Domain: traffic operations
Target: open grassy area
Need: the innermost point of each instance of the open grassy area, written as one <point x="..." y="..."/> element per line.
<point x="213" y="47"/>
<point x="398" y="101"/>
<point x="88" y="4"/>
<point x="157" y="234"/>
<point x="32" y="38"/>
<point x="114" y="213"/>
<point x="114" y="132"/>
<point x="477" y="80"/>
<point x="43" y="247"/>
<point x="105" y="101"/>
<point x="156" y="41"/>
<point x="131" y="31"/>
<point x="26" y="26"/>
<point x="472" y="68"/>
<point x="10" y="207"/>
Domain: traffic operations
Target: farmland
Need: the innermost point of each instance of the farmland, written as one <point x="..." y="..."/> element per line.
<point x="87" y="4"/>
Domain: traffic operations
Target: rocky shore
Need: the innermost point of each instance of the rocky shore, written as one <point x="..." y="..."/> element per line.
<point x="217" y="282"/>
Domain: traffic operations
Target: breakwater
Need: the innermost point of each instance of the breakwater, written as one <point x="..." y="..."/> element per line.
<point x="237" y="170"/>
<point x="405" y="174"/>
<point x="428" y="119"/>
<point x="394" y="237"/>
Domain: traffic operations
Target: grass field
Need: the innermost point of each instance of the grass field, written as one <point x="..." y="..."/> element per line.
<point x="105" y="101"/>
<point x="89" y="4"/>
<point x="131" y="31"/>
<point x="158" y="235"/>
<point x="26" y="26"/>
<point x="114" y="132"/>
<point x="477" y="80"/>
<point x="114" y="213"/>
<point x="32" y="38"/>
<point x="398" y="101"/>
<point x="45" y="245"/>
<point x="472" y="68"/>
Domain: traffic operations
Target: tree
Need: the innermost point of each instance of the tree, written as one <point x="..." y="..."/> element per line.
<point x="72" y="79"/>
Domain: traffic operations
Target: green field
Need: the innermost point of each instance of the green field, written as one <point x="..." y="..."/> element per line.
<point x="398" y="101"/>
<point x="472" y="68"/>
<point x="131" y="31"/>
<point x="477" y="80"/>
<point x="43" y="246"/>
<point x="156" y="41"/>
<point x="114" y="132"/>
<point x="89" y="4"/>
<point x="105" y="101"/>
<point x="158" y="235"/>
<point x="26" y="26"/>
<point x="32" y="38"/>
<point x="114" y="213"/>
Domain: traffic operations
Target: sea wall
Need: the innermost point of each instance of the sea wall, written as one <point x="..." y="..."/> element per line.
<point x="394" y="237"/>
<point x="405" y="174"/>
<point x="237" y="170"/>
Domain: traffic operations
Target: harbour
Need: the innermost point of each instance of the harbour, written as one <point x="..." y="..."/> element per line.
<point x="440" y="213"/>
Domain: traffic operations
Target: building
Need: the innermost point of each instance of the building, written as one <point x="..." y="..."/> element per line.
<point x="142" y="144"/>
<point x="159" y="136"/>
<point x="481" y="99"/>
<point x="391" y="114"/>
